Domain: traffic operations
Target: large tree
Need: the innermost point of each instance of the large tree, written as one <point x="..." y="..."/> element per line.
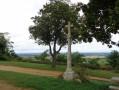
<point x="101" y="20"/>
<point x="49" y="26"/>
<point x="6" y="48"/>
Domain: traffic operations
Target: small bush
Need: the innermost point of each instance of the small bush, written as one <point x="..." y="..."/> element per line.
<point x="81" y="74"/>
<point x="27" y="60"/>
<point x="77" y="59"/>
<point x="113" y="59"/>
<point x="108" y="68"/>
<point x="93" y="67"/>
<point x="42" y="57"/>
<point x="117" y="69"/>
<point x="92" y="64"/>
<point x="61" y="59"/>
<point x="4" y="57"/>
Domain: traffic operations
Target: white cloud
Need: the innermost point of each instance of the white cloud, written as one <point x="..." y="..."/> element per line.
<point x="15" y="18"/>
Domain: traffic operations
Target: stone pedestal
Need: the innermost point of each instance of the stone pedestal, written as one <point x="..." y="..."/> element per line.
<point x="69" y="75"/>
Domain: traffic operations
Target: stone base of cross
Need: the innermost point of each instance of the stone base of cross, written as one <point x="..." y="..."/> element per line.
<point x="69" y="74"/>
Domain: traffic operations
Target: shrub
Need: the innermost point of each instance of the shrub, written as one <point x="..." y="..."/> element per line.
<point x="42" y="57"/>
<point x="117" y="69"/>
<point x="77" y="58"/>
<point x="81" y="74"/>
<point x="113" y="59"/>
<point x="94" y="61"/>
<point x="107" y="68"/>
<point x="61" y="58"/>
<point x="90" y="66"/>
<point x="93" y="64"/>
<point x="27" y="60"/>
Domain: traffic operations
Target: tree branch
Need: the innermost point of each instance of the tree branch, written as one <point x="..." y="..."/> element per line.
<point x="54" y="48"/>
<point x="59" y="49"/>
<point x="50" y="50"/>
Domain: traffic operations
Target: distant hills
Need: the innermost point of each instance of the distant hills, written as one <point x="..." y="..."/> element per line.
<point x="85" y="54"/>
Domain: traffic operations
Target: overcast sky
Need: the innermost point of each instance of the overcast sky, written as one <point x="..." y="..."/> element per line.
<point x="15" y="18"/>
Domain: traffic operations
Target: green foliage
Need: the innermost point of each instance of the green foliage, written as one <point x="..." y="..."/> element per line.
<point x="27" y="60"/>
<point x="117" y="69"/>
<point x="61" y="59"/>
<point x="117" y="6"/>
<point x="89" y="66"/>
<point x="77" y="58"/>
<point x="42" y="57"/>
<point x="108" y="68"/>
<point x="94" y="61"/>
<point x="113" y="59"/>
<point x="93" y="64"/>
<point x="6" y="48"/>
<point x="114" y="21"/>
<point x="97" y="20"/>
<point x="82" y="75"/>
<point x="48" y="83"/>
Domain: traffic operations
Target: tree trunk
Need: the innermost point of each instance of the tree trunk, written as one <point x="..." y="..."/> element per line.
<point x="54" y="61"/>
<point x="53" y="54"/>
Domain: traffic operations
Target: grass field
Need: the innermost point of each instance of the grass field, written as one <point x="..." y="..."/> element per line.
<point x="93" y="57"/>
<point x="98" y="73"/>
<point x="48" y="83"/>
<point x="102" y="62"/>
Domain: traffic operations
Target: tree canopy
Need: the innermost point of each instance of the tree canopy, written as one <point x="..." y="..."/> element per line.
<point x="114" y="20"/>
<point x="49" y="26"/>
<point x="101" y="20"/>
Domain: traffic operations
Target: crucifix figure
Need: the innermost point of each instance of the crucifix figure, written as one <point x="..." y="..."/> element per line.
<point x="69" y="74"/>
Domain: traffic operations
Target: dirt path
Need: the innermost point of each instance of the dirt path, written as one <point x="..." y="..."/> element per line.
<point x="31" y="71"/>
<point x="98" y="78"/>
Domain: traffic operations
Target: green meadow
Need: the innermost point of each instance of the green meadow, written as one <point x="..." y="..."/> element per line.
<point x="48" y="83"/>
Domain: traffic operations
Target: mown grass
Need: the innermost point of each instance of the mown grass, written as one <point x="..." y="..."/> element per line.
<point x="33" y="65"/>
<point x="102" y="62"/>
<point x="102" y="73"/>
<point x="48" y="83"/>
<point x="98" y="73"/>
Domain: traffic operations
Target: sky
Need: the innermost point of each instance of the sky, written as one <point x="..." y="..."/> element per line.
<point x="15" y="18"/>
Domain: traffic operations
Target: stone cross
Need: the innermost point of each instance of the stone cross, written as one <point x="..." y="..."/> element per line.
<point x="69" y="74"/>
<point x="69" y="26"/>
